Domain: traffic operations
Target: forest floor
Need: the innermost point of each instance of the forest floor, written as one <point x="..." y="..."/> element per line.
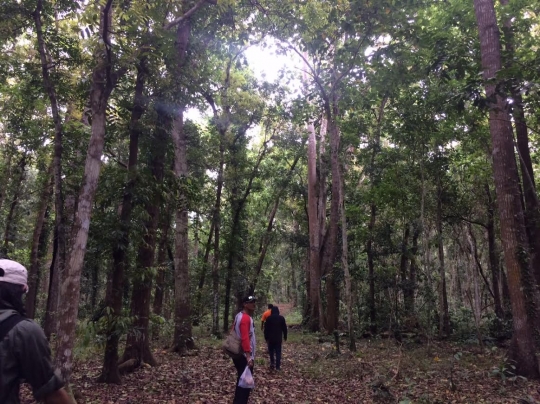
<point x="380" y="371"/>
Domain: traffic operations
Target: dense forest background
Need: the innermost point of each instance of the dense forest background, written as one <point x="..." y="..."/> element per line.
<point x="384" y="183"/>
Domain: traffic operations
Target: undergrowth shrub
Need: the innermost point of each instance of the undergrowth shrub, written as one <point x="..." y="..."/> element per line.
<point x="498" y="328"/>
<point x="462" y="322"/>
<point x="294" y="317"/>
<point x="89" y="340"/>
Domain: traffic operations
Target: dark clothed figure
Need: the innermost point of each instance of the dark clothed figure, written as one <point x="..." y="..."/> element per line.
<point x="24" y="350"/>
<point x="275" y="332"/>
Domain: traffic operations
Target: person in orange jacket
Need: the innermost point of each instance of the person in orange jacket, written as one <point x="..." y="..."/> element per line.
<point x="265" y="316"/>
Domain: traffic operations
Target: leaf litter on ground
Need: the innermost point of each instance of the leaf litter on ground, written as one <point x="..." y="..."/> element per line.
<point x="380" y="371"/>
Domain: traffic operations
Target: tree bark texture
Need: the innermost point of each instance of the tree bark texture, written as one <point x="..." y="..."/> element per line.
<point x="182" y="319"/>
<point x="216" y="219"/>
<point x="532" y="204"/>
<point x="163" y="265"/>
<point x="222" y="124"/>
<point x="234" y="244"/>
<point x="138" y="341"/>
<point x="102" y="86"/>
<point x="371" y="269"/>
<point x="493" y="255"/>
<point x="513" y="234"/>
<point x="345" y="265"/>
<point x="16" y="188"/>
<point x="314" y="233"/>
<point x="60" y="229"/>
<point x="35" y="263"/>
<point x="370" y="249"/>
<point x="403" y="268"/>
<point x="204" y="270"/>
<point x="444" y="318"/>
<point x="330" y="247"/>
<point x="113" y="298"/>
<point x="9" y="153"/>
<point x="410" y="304"/>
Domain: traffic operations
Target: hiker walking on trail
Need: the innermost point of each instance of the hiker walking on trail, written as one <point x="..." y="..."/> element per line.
<point x="245" y="329"/>
<point x="275" y="331"/>
<point x="265" y="316"/>
<point x="24" y="350"/>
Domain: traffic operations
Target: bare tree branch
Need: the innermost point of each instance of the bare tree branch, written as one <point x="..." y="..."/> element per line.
<point x="188" y="14"/>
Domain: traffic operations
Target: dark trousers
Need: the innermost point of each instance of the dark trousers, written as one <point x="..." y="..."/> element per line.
<point x="274" y="350"/>
<point x="241" y="395"/>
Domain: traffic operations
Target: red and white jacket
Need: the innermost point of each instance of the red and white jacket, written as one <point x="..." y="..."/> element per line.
<point x="245" y="329"/>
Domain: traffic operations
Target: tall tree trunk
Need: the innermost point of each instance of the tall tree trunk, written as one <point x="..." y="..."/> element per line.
<point x="532" y="204"/>
<point x="44" y="253"/>
<point x="493" y="255"/>
<point x="204" y="271"/>
<point x="216" y="219"/>
<point x="138" y="341"/>
<point x="410" y="305"/>
<point x="222" y="123"/>
<point x="58" y="263"/>
<point x="9" y="153"/>
<point x="370" y="250"/>
<point x="103" y="82"/>
<point x="95" y="285"/>
<point x="113" y="298"/>
<point x="314" y="234"/>
<point x="330" y="248"/>
<point x="182" y="306"/>
<point x="234" y="244"/>
<point x="403" y="268"/>
<point x="182" y="302"/>
<point x="49" y="323"/>
<point x="306" y="308"/>
<point x="162" y="269"/>
<point x="473" y="246"/>
<point x="17" y="187"/>
<point x="345" y="265"/>
<point x="35" y="262"/>
<point x="513" y="234"/>
<point x="444" y="318"/>
<point x="322" y="199"/>
<point x="476" y="299"/>
<point x="371" y="269"/>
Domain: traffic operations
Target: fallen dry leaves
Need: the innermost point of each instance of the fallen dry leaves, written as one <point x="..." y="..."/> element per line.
<point x="379" y="372"/>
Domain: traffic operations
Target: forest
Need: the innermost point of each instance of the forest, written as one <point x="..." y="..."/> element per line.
<point x="382" y="186"/>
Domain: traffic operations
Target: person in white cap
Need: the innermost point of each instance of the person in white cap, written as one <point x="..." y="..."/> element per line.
<point x="24" y="349"/>
<point x="245" y="329"/>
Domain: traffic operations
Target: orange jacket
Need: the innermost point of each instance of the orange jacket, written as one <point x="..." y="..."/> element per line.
<point x="265" y="315"/>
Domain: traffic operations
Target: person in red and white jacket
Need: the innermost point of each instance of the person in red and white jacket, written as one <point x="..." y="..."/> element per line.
<point x="245" y="329"/>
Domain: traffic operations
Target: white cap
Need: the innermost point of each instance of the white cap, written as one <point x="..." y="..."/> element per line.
<point x="13" y="273"/>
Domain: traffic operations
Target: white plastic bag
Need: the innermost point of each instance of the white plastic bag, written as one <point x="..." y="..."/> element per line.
<point x="246" y="380"/>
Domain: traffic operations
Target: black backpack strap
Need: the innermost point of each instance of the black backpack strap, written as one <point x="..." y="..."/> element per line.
<point x="8" y="324"/>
